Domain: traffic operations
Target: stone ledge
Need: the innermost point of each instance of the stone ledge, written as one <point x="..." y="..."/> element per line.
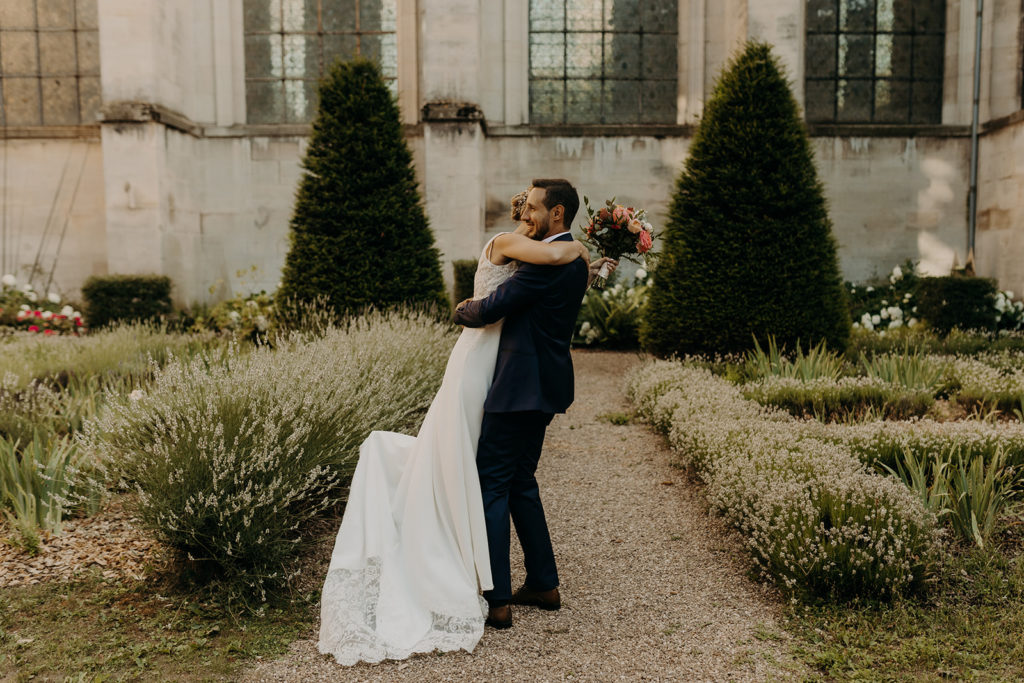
<point x="880" y="130"/>
<point x="80" y="132"/>
<point x="125" y="111"/>
<point x="592" y="130"/>
<point x="1002" y="122"/>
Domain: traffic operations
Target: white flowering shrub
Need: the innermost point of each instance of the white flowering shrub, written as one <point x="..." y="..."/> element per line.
<point x="887" y="304"/>
<point x="814" y="517"/>
<point x="231" y="455"/>
<point x="990" y="381"/>
<point x="610" y="316"/>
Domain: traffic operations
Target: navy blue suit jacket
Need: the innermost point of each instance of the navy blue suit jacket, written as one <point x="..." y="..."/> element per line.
<point x="539" y="305"/>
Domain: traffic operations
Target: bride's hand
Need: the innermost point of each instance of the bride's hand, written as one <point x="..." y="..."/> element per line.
<point x="584" y="252"/>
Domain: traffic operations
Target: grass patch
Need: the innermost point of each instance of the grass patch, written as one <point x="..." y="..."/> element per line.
<point x="137" y="631"/>
<point x="616" y="418"/>
<point x="969" y="628"/>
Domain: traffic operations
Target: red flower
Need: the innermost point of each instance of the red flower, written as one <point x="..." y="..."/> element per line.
<point x="49" y="332"/>
<point x="33" y="328"/>
<point x="78" y="322"/>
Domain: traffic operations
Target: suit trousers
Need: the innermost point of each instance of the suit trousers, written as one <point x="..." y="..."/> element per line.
<point x="507" y="456"/>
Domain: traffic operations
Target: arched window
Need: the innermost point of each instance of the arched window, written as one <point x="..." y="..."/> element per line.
<point x="290" y="43"/>
<point x="603" y="61"/>
<point x="49" y="62"/>
<point x="875" y="61"/>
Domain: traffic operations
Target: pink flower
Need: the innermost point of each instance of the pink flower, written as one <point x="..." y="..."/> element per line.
<point x="33" y="328"/>
<point x="635" y="226"/>
<point x="619" y="213"/>
<point x="48" y="332"/>
<point x="644" y="242"/>
<point x="603" y="214"/>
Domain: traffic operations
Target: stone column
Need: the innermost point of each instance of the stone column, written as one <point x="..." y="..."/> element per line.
<point x="453" y="126"/>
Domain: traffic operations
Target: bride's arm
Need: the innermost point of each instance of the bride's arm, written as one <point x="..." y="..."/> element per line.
<point x="521" y="248"/>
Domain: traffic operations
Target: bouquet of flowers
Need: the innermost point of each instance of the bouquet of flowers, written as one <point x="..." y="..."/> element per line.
<point x="617" y="231"/>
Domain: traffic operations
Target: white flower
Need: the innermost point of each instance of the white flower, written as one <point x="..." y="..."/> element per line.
<point x="895" y="312"/>
<point x="30" y="295"/>
<point x="67" y="311"/>
<point x="650" y="281"/>
<point x="261" y="323"/>
<point x="235" y="316"/>
<point x="884" y="313"/>
<point x="911" y="322"/>
<point x="136" y="395"/>
<point x="24" y="307"/>
<point x="869" y="289"/>
<point x="895" y="323"/>
<point x="897" y="274"/>
<point x="584" y="327"/>
<point x="47" y="315"/>
<point x="856" y="325"/>
<point x="53" y="297"/>
<point x="640" y="274"/>
<point x="1000" y="303"/>
<point x="251" y="303"/>
<point x="876" y="319"/>
<point x="1009" y="294"/>
<point x="9" y="280"/>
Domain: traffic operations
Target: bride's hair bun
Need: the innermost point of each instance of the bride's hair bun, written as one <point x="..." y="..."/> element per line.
<point x="518" y="202"/>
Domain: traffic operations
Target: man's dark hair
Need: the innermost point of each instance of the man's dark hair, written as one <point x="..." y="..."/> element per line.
<point x="560" y="191"/>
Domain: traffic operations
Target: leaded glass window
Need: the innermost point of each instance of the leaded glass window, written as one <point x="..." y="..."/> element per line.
<point x="49" y="62"/>
<point x="603" y="61"/>
<point x="877" y="61"/>
<point x="290" y="43"/>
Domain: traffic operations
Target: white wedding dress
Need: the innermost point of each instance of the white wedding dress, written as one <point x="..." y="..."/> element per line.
<point x="411" y="557"/>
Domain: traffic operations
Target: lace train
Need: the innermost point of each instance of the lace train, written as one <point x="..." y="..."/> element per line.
<point x="350" y="605"/>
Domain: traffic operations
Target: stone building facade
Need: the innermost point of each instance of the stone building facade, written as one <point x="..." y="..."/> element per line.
<point x="166" y="136"/>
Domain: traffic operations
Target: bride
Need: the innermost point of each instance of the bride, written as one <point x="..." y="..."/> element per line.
<point x="410" y="558"/>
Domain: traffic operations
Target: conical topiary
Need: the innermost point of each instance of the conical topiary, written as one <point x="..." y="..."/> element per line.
<point x="748" y="248"/>
<point x="359" y="235"/>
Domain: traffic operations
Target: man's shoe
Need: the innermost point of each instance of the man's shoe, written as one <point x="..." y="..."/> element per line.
<point x="549" y="600"/>
<point x="499" y="617"/>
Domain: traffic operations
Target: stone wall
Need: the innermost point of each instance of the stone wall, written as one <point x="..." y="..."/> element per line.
<point x="52" y="212"/>
<point x="1000" y="236"/>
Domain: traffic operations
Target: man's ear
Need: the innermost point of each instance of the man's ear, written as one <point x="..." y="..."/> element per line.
<point x="557" y="212"/>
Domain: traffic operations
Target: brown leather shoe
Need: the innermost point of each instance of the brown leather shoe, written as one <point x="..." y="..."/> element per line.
<point x="499" y="617"/>
<point x="549" y="600"/>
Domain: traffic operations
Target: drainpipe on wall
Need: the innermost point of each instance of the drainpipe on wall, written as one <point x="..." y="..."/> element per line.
<point x="972" y="196"/>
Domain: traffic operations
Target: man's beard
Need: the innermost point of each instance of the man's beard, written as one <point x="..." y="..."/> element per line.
<point x="541" y="231"/>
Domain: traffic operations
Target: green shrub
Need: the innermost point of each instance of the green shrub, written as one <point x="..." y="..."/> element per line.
<point x="814" y="518"/>
<point x="610" y="317"/>
<point x="464" y="274"/>
<point x="957" y="301"/>
<point x="359" y="235"/>
<point x="129" y="298"/>
<point x="748" y="247"/>
<point x="251" y="317"/>
<point x="845" y="399"/>
<point x="232" y="455"/>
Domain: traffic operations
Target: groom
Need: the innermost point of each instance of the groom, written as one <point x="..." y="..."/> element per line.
<point x="533" y="380"/>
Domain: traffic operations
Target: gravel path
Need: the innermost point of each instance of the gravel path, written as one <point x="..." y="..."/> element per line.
<point x="652" y="587"/>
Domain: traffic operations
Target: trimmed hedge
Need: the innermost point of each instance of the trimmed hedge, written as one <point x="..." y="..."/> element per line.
<point x="465" y="272"/>
<point x="115" y="298"/>
<point x="957" y="301"/>
<point x="748" y="249"/>
<point x="359" y="234"/>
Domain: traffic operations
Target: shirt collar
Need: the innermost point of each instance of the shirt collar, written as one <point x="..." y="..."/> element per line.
<point x="555" y="237"/>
